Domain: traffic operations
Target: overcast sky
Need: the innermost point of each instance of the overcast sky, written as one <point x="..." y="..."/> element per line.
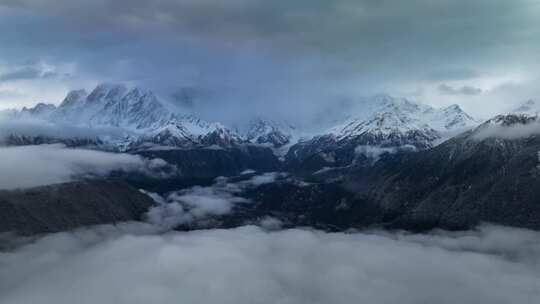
<point x="262" y="56"/>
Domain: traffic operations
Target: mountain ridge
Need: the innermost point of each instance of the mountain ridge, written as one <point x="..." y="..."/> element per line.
<point x="145" y="120"/>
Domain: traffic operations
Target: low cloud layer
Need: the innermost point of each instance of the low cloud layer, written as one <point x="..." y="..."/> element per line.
<point x="30" y="166"/>
<point x="132" y="265"/>
<point x="508" y="132"/>
<point x="198" y="203"/>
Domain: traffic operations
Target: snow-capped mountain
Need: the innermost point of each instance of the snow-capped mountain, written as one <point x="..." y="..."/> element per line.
<point x="144" y="119"/>
<point x="268" y="131"/>
<point x="383" y="122"/>
<point x="386" y="118"/>
<point x="510" y="120"/>
<point x="113" y="106"/>
<point x="508" y="126"/>
<point x="135" y="109"/>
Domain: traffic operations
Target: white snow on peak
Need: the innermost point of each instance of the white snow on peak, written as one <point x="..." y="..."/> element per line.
<point x="137" y="111"/>
<point x="268" y="131"/>
<point x="144" y="117"/>
<point x="384" y="115"/>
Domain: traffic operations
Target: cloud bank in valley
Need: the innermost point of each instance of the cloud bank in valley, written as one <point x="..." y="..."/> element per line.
<point x="197" y="204"/>
<point x="30" y="166"/>
<point x="132" y="265"/>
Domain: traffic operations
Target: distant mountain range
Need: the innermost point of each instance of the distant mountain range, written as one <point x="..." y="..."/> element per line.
<point x="145" y="119"/>
<point x="135" y="120"/>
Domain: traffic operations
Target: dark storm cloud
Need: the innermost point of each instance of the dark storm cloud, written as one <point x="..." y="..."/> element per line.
<point x="255" y="53"/>
<point x="464" y="90"/>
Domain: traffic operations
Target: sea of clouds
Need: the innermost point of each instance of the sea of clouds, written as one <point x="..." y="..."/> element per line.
<point x="132" y="263"/>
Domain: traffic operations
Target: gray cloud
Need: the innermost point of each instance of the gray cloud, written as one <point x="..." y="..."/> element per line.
<point x="276" y="57"/>
<point x="131" y="264"/>
<point x="30" y="166"/>
<point x="508" y="132"/>
<point x="30" y="70"/>
<point x="464" y="90"/>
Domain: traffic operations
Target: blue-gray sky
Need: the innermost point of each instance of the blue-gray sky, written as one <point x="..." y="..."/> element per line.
<point x="296" y="58"/>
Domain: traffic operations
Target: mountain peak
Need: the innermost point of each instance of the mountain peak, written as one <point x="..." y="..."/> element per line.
<point x="508" y="120"/>
<point x="382" y="97"/>
<point x="263" y="130"/>
<point x="74" y="97"/>
<point x="453" y="107"/>
<point x="106" y="91"/>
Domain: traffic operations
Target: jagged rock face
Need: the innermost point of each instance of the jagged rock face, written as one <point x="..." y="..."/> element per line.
<point x="276" y="139"/>
<point x="113" y="106"/>
<point x="71" y="107"/>
<point x="135" y="110"/>
<point x="266" y="131"/>
<point x="172" y="134"/>
<point x="62" y="207"/>
<point x="74" y="99"/>
<point x="222" y="138"/>
<point x="508" y="120"/>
